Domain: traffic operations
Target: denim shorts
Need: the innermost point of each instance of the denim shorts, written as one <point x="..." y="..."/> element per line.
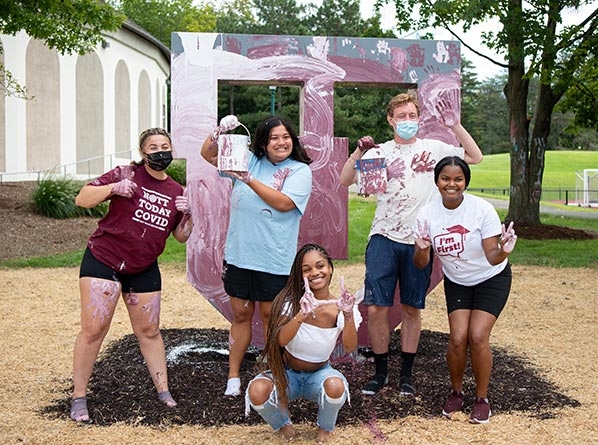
<point x="308" y="385"/>
<point x="388" y="263"/>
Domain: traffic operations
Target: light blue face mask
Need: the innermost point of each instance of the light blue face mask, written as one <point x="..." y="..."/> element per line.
<point x="406" y="129"/>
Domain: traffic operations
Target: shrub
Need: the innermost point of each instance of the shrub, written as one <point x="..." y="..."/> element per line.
<point x="177" y="170"/>
<point x="55" y="197"/>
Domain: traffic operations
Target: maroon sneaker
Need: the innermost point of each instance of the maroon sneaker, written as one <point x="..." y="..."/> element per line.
<point x="480" y="413"/>
<point x="453" y="404"/>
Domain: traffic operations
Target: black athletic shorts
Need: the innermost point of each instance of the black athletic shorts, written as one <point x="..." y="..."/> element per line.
<point x="251" y="285"/>
<point x="488" y="296"/>
<point x="148" y="280"/>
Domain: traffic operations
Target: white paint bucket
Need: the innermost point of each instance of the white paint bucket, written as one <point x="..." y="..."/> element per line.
<point x="233" y="151"/>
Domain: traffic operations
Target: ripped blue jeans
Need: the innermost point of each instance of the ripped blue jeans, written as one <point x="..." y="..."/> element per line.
<point x="302" y="385"/>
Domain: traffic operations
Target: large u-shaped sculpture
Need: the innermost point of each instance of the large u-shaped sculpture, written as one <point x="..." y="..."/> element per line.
<point x="316" y="64"/>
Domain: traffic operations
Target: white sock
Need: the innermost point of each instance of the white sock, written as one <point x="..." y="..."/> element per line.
<point x="233" y="387"/>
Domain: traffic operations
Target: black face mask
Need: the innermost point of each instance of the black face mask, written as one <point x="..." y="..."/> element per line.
<point x="158" y="160"/>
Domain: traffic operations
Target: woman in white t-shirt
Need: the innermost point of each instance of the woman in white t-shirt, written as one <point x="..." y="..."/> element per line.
<point x="467" y="237"/>
<point x="302" y="334"/>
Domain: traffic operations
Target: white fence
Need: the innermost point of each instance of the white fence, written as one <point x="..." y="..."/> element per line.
<point x="81" y="170"/>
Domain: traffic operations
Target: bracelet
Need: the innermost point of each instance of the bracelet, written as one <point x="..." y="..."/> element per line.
<point x="297" y="320"/>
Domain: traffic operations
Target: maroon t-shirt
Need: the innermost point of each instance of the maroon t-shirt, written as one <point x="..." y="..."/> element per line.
<point x="134" y="232"/>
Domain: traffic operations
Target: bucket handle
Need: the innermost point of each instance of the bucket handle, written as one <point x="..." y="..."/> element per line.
<point x="248" y="134"/>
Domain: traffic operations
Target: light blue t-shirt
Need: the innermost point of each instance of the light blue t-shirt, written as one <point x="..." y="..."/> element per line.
<point x="260" y="237"/>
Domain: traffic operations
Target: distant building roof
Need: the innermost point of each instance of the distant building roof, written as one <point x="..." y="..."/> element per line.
<point x="136" y="29"/>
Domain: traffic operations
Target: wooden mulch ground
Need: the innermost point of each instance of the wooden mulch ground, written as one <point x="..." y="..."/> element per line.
<point x="543" y="388"/>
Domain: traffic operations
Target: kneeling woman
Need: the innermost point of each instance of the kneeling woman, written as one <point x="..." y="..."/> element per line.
<point x="302" y="333"/>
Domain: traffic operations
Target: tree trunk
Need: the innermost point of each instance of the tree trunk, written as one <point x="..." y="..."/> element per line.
<point x="523" y="207"/>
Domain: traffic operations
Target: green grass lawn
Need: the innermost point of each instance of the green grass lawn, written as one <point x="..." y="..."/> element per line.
<point x="559" y="170"/>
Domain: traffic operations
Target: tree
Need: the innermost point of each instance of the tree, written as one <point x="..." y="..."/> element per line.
<point x="69" y="26"/>
<point x="582" y="97"/>
<point x="236" y="17"/>
<point x="162" y="17"/>
<point x="533" y="42"/>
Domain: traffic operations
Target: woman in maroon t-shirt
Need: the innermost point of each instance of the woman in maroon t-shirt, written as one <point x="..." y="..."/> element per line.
<point x="146" y="206"/>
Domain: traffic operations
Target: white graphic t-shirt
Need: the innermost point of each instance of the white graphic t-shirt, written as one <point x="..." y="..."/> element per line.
<point x="457" y="236"/>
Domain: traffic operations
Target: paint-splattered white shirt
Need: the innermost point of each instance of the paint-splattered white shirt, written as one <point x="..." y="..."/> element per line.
<point x="410" y="175"/>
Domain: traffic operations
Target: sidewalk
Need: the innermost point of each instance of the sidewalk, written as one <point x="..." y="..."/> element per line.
<point x="504" y="204"/>
<point x="591" y="214"/>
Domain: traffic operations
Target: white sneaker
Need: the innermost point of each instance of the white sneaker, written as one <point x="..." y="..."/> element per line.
<point x="233" y="387"/>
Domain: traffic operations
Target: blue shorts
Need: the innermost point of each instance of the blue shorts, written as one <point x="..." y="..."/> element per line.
<point x="251" y="285"/>
<point x="388" y="262"/>
<point x="148" y="280"/>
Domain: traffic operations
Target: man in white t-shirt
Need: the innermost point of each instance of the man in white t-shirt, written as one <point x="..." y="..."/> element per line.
<point x="389" y="255"/>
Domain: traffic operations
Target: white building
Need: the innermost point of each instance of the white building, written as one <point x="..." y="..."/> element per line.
<point x="86" y="111"/>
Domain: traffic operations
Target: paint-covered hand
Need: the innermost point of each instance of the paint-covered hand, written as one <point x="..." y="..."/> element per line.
<point x="124" y="187"/>
<point x="347" y="300"/>
<point x="229" y="122"/>
<point x="308" y="302"/>
<point x="365" y="143"/>
<point x="448" y="115"/>
<point x="508" y="239"/>
<point x="181" y="203"/>
<point x="245" y="177"/>
<point x="422" y="235"/>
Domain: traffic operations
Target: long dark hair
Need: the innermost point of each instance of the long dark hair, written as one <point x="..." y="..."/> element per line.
<point x="457" y="162"/>
<point x="284" y="307"/>
<point x="262" y="137"/>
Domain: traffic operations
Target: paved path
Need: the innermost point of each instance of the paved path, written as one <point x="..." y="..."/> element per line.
<point x="504" y="204"/>
<point x="591" y="214"/>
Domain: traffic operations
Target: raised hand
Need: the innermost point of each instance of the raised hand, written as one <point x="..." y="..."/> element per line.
<point x="124" y="187"/>
<point x="449" y="116"/>
<point x="508" y="238"/>
<point x="229" y="122"/>
<point x="347" y="300"/>
<point x="365" y="143"/>
<point x="308" y="302"/>
<point x="422" y="235"/>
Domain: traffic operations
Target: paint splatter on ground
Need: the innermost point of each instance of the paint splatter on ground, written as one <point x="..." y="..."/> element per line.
<point x="121" y="390"/>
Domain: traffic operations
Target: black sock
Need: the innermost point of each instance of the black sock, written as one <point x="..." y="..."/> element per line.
<point x="381" y="362"/>
<point x="406" y="364"/>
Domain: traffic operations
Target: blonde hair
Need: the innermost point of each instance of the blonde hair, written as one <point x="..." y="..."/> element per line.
<point x="400" y="100"/>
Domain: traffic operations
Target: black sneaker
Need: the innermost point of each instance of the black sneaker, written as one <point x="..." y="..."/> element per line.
<point x="376" y="383"/>
<point x="407" y="389"/>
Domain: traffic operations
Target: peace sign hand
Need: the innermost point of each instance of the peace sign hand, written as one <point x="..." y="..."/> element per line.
<point x="422" y="235"/>
<point x="308" y="302"/>
<point x="508" y="238"/>
<point x="347" y="300"/>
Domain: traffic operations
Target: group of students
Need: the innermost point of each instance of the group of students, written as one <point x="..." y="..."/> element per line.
<point x="424" y="214"/>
